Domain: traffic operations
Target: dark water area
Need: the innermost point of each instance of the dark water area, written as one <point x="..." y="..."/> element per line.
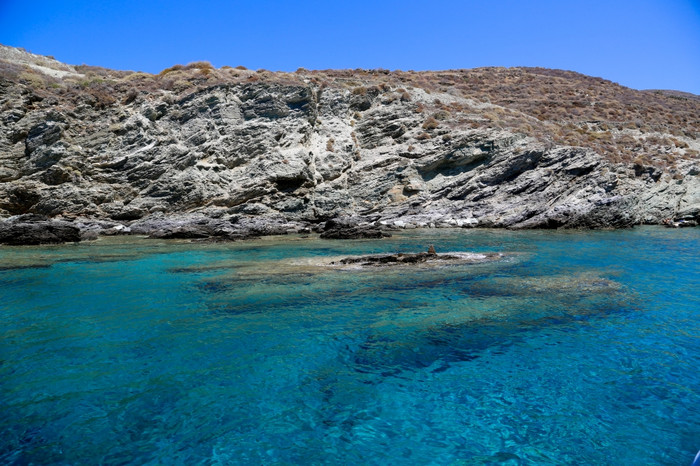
<point x="574" y="348"/>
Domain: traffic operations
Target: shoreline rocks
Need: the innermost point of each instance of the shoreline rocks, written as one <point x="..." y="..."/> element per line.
<point x="33" y="229"/>
<point x="351" y="228"/>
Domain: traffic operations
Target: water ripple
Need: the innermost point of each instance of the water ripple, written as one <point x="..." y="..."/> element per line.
<point x="583" y="348"/>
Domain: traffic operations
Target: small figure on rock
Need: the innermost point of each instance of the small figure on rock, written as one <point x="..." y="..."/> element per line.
<point x="431" y="250"/>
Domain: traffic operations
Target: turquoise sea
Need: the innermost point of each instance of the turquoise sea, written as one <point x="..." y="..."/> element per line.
<point x="574" y="348"/>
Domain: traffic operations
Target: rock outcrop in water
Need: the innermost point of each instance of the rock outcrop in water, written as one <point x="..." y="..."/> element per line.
<point x="380" y="260"/>
<point x="231" y="153"/>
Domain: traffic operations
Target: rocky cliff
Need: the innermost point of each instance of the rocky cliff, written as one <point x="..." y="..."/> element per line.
<point x="120" y="151"/>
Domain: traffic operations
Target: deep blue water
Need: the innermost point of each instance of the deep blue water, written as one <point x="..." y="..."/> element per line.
<point x="576" y="348"/>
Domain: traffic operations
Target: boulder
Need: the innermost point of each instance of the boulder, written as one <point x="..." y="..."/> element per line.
<point x="351" y="228"/>
<point x="33" y="229"/>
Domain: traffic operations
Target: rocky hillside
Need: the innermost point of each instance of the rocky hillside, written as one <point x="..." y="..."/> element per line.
<point x="490" y="147"/>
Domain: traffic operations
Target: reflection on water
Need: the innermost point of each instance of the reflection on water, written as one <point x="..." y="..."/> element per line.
<point x="576" y="348"/>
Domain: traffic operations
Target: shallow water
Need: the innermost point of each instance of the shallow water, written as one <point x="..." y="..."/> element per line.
<point x="575" y="348"/>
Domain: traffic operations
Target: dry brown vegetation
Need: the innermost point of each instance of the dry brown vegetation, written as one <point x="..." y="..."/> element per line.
<point x="430" y="123"/>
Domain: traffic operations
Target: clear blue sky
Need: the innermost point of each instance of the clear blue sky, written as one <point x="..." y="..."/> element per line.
<point x="641" y="44"/>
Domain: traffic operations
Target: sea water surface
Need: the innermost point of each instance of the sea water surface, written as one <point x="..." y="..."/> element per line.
<point x="575" y="348"/>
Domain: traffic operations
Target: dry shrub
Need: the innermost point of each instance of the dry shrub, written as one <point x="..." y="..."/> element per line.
<point x="138" y="76"/>
<point x="199" y="65"/>
<point x="430" y="124"/>
<point x="103" y="98"/>
<point x="171" y="69"/>
<point x="442" y="115"/>
<point x="181" y="85"/>
<point x="680" y="144"/>
<point x="32" y="79"/>
<point x="130" y="96"/>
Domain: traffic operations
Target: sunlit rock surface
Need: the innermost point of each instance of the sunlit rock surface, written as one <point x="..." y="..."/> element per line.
<point x="273" y="153"/>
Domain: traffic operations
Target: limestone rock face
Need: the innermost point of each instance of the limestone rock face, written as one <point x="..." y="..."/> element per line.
<point x="299" y="154"/>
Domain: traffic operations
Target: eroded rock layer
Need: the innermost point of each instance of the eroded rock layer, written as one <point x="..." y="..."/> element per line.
<point x="277" y="154"/>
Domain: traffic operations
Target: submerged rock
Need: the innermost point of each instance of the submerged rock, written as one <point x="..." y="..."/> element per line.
<point x="458" y="335"/>
<point x="33" y="229"/>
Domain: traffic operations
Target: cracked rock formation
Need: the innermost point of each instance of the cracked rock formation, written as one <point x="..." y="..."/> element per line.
<point x="239" y="152"/>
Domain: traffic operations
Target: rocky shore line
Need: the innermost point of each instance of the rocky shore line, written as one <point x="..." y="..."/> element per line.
<point x="33" y="229"/>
